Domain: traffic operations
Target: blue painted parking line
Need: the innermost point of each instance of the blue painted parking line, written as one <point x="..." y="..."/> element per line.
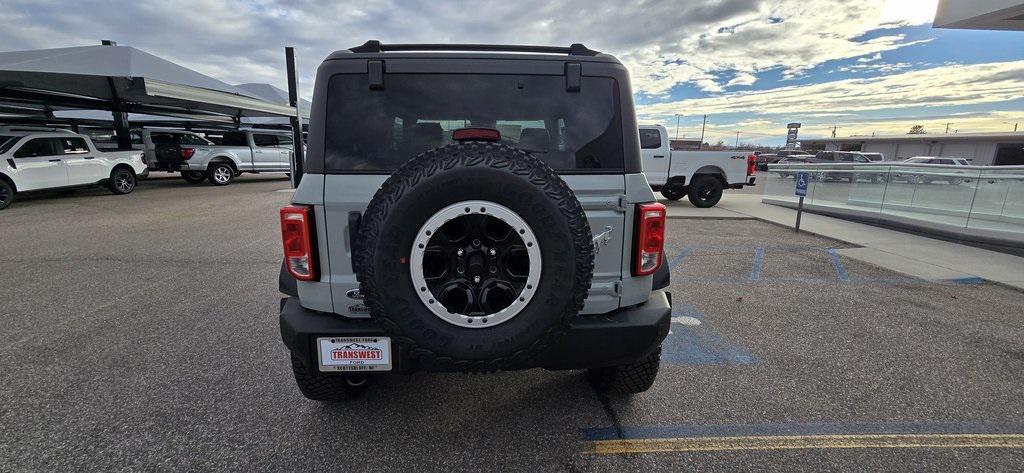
<point x="755" y="273"/>
<point x="689" y="344"/>
<point x="965" y="280"/>
<point x="679" y="257"/>
<point x="838" y="266"/>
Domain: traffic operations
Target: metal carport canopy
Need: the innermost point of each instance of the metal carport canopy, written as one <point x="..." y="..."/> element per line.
<point x="121" y="79"/>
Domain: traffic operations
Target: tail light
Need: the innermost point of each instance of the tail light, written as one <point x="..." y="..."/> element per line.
<point x="649" y="240"/>
<point x="476" y="134"/>
<point x="751" y="165"/>
<point x="297" y="234"/>
<point x="187" y="153"/>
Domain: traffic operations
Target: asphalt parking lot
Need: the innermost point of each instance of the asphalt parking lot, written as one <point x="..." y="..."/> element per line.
<point x="140" y="333"/>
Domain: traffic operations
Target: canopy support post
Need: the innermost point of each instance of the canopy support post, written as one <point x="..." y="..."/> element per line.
<point x="124" y="134"/>
<point x="296" y="120"/>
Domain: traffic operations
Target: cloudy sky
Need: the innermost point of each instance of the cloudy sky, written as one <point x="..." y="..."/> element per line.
<point x="868" y="66"/>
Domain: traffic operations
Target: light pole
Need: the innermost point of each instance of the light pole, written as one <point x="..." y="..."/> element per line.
<point x="700" y="146"/>
<point x="677" y="126"/>
<point x="1014" y="125"/>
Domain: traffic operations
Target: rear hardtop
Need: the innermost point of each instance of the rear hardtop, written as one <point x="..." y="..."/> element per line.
<point x="379" y="61"/>
<point x="395" y="86"/>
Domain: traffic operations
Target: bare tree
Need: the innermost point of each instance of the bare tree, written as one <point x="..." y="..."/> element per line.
<point x="917" y="130"/>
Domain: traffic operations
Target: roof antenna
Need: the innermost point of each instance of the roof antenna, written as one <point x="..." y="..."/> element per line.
<point x="108" y="42"/>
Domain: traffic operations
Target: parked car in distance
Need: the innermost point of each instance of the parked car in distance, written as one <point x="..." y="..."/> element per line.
<point x="874" y="157"/>
<point x="163" y="147"/>
<point x="701" y="175"/>
<point x="240" y="151"/>
<point x="794" y="159"/>
<point x="53" y="160"/>
<point x="764" y="160"/>
<point x="842" y="157"/>
<point x="785" y="153"/>
<point x="927" y="176"/>
<point x="949" y="161"/>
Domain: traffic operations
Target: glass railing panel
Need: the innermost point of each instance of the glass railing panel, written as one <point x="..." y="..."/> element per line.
<point x="999" y="203"/>
<point x="868" y="186"/>
<point x="936" y="194"/>
<point x="779" y="182"/>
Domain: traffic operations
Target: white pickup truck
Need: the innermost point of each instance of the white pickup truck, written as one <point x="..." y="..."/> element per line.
<point x="701" y="175"/>
<point x="32" y="161"/>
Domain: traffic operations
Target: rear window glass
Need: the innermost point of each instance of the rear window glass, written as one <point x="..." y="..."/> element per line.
<point x="194" y="140"/>
<point x="234" y="139"/>
<point x="74" y="145"/>
<point x="264" y="140"/>
<point x="8" y="142"/>
<point x="650" y="138"/>
<point x="379" y="130"/>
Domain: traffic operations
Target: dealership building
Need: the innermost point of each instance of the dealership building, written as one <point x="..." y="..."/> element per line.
<point x="982" y="148"/>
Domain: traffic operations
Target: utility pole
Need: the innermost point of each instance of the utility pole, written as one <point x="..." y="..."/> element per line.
<point x="737" y="139"/>
<point x="700" y="146"/>
<point x="677" y="126"/>
<point x="834" y="128"/>
<point x="947" y="127"/>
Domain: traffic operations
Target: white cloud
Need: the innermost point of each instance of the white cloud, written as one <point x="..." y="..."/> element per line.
<point x="742" y="78"/>
<point x="937" y="86"/>
<point x="872" y="58"/>
<point x="664" y="43"/>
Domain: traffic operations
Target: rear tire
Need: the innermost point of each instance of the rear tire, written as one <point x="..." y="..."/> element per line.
<point x="673" y="192"/>
<point x="705" y="191"/>
<point x="193" y="177"/>
<point x="122" y="181"/>
<point x="633" y="378"/>
<point x="221" y="174"/>
<point x="6" y="194"/>
<point x="327" y="388"/>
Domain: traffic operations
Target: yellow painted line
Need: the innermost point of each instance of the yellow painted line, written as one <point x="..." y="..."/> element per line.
<point x="787" y="442"/>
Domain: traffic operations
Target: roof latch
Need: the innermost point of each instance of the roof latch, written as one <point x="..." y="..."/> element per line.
<point x="375" y="70"/>
<point x="573" y="76"/>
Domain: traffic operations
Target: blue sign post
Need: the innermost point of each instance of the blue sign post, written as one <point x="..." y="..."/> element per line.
<point x="801" y="191"/>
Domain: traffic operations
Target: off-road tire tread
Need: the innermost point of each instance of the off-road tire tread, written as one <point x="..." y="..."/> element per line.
<point x="633" y="378"/>
<point x="320" y="387"/>
<point x="474" y="154"/>
<point x="695" y="191"/>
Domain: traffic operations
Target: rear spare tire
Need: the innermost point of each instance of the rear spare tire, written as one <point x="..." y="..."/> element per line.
<point x="475" y="257"/>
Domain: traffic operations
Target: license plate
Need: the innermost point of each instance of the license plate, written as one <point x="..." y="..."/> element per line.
<point x="354" y="353"/>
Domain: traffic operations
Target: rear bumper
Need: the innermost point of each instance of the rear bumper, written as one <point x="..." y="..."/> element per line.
<point x="749" y="182"/>
<point x="611" y="339"/>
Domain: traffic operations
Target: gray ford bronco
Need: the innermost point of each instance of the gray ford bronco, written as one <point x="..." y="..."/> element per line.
<point x="472" y="208"/>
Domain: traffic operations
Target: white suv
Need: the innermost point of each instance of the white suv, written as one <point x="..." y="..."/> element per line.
<point x="51" y="160"/>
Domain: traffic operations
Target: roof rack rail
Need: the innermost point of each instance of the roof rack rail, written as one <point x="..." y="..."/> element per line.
<point x="374" y="46"/>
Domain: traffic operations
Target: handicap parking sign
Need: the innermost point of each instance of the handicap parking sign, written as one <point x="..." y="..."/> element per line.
<point x="801" y="184"/>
